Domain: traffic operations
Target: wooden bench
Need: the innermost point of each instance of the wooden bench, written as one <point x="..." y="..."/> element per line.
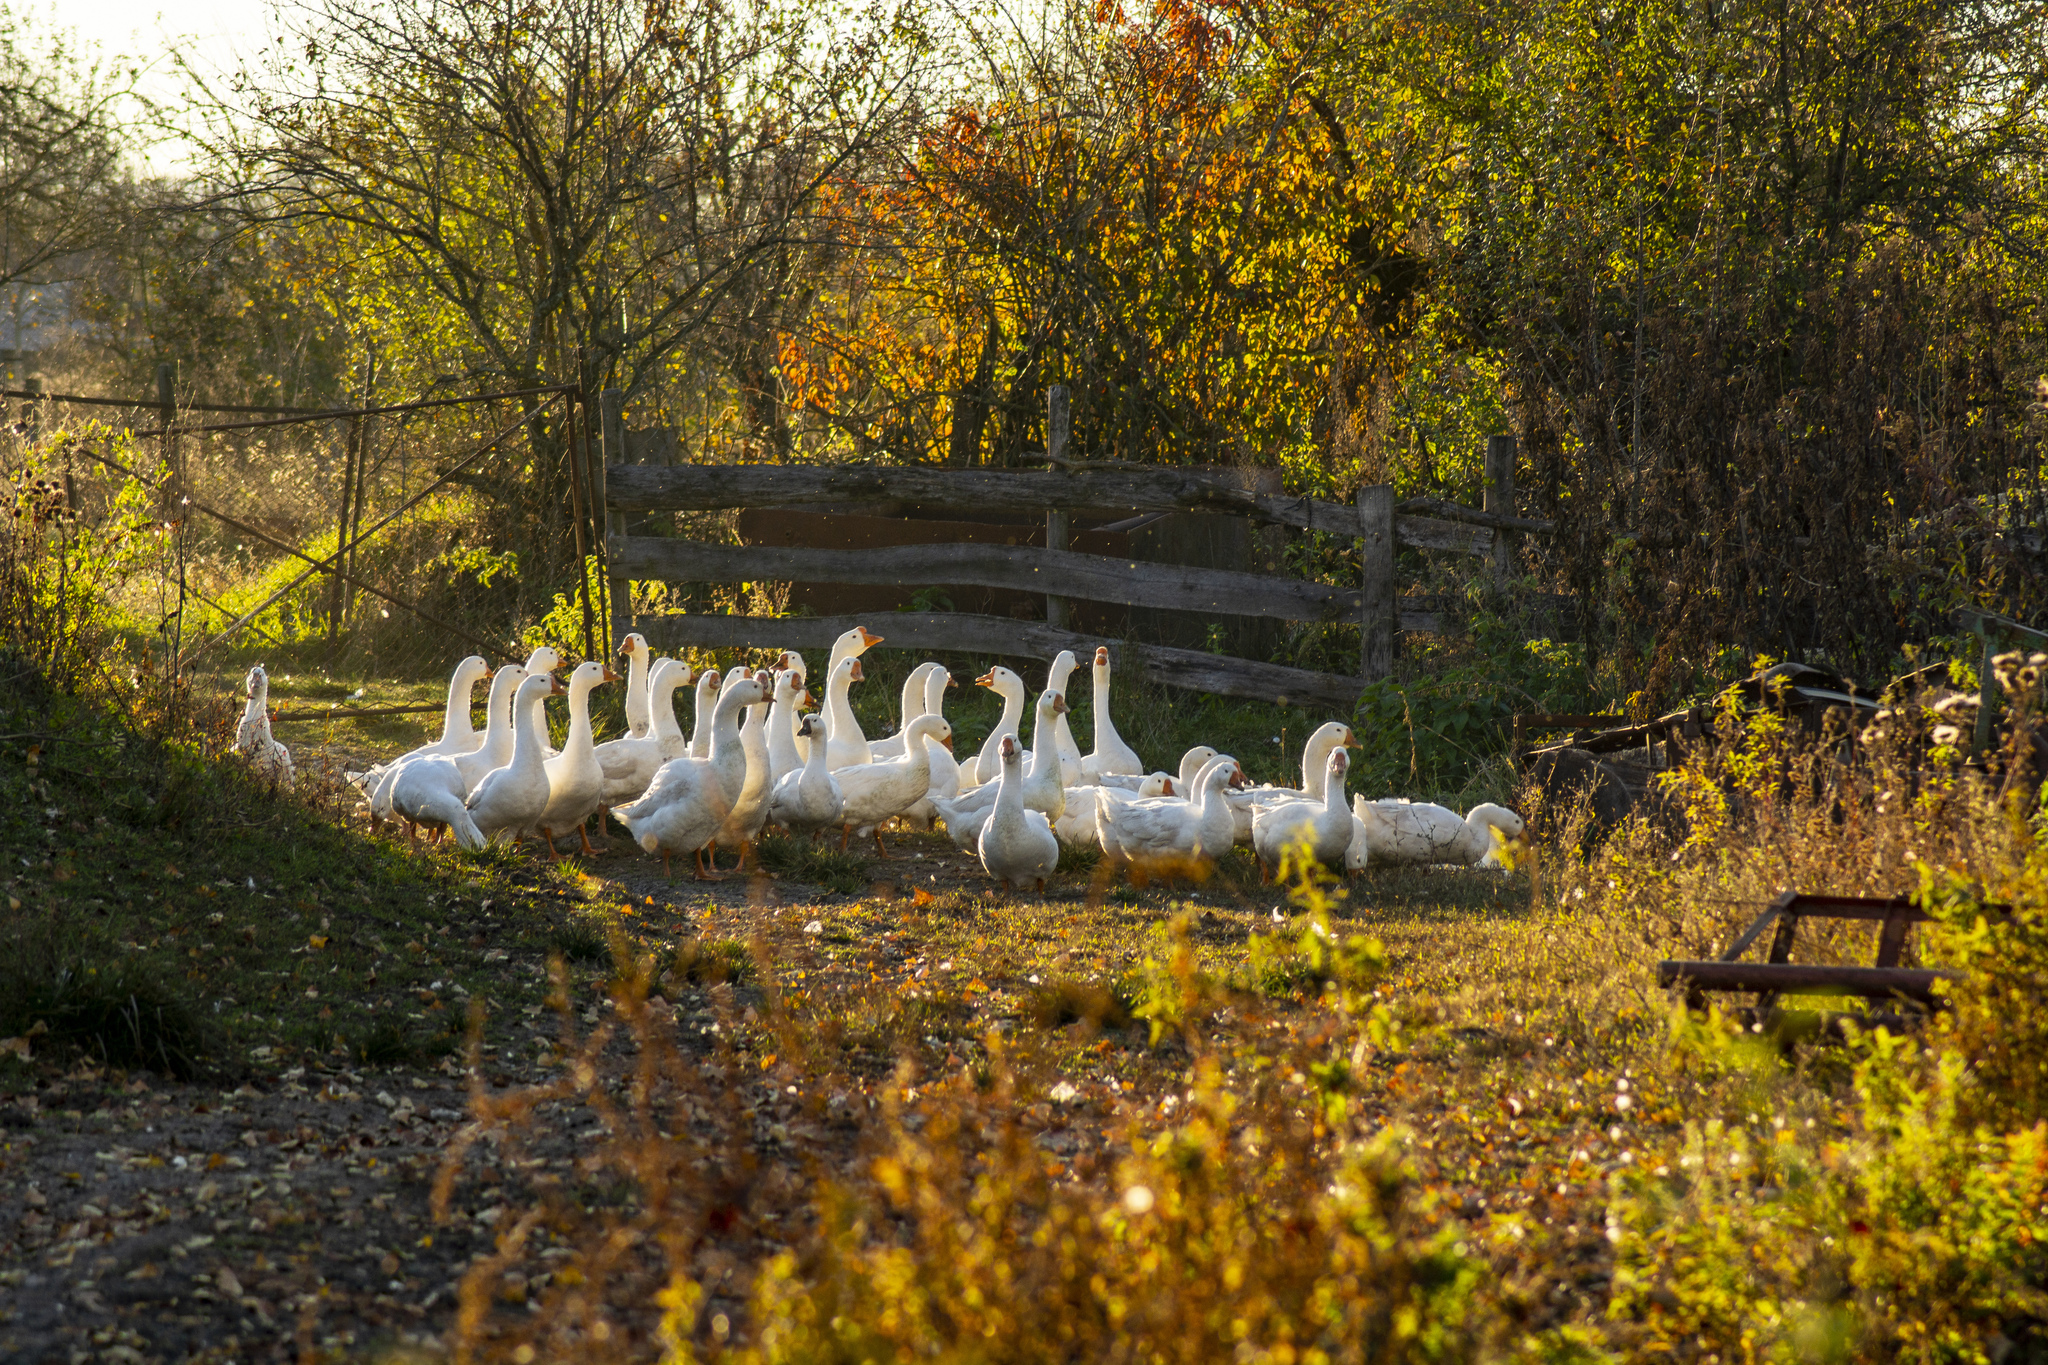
<point x="1779" y="976"/>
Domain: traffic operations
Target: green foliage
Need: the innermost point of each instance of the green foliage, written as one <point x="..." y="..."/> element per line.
<point x="1171" y="991"/>
<point x="1918" y="1233"/>
<point x="1434" y="728"/>
<point x="695" y="962"/>
<point x="1190" y="1251"/>
<point x="80" y="999"/>
<point x="805" y="860"/>
<point x="582" y="940"/>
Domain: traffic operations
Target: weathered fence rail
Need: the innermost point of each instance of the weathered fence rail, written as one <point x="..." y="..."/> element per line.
<point x="1055" y="573"/>
<point x="970" y="633"/>
<point x="700" y="488"/>
<point x="1098" y="578"/>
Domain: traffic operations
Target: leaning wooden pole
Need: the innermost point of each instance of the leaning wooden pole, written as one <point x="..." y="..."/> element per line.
<point x="1498" y="497"/>
<point x="1376" y="580"/>
<point x="611" y="408"/>
<point x="1058" y="427"/>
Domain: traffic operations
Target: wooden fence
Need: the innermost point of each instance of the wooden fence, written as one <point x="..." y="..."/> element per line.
<point x="1064" y="489"/>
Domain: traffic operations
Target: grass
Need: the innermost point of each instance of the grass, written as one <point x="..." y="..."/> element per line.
<point x="817" y="864"/>
<point x="167" y="911"/>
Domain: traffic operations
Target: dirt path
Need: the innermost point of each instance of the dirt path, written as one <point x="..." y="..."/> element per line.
<point x="147" y="1220"/>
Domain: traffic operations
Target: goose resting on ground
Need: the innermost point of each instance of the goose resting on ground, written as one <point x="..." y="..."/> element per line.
<point x="1417" y="833"/>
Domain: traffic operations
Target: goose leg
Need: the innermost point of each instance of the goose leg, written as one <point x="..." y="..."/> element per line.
<point x="554" y="854"/>
<point x="666" y="870"/>
<point x="880" y="851"/>
<point x="845" y="833"/>
<point x="584" y="830"/>
<point x="713" y="874"/>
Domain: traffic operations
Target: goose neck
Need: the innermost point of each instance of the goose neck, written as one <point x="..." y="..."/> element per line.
<point x="531" y="737"/>
<point x="455" y="721"/>
<point x="579" y="716"/>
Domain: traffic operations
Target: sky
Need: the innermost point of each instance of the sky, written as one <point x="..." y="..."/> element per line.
<point x="214" y="35"/>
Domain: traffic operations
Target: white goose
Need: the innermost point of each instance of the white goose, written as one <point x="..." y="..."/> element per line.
<point x="429" y="792"/>
<point x="1324" y="827"/>
<point x="508" y="801"/>
<point x="912" y="706"/>
<point x="808" y="800"/>
<point x="1063" y="666"/>
<point x="1414" y="832"/>
<point x="639" y="709"/>
<point x="1017" y="845"/>
<point x="575" y="782"/>
<point x="668" y="731"/>
<point x="268" y="759"/>
<point x="496" y="750"/>
<point x="945" y="781"/>
<point x="984" y="766"/>
<point x="1076" y="826"/>
<point x="690" y="797"/>
<point x="784" y="757"/>
<point x="1041" y="789"/>
<point x="1315" y="764"/>
<point x="1111" y="754"/>
<point x="743" y="824"/>
<point x="1191" y="764"/>
<point x="851" y="750"/>
<point x="629" y="764"/>
<point x="543" y="659"/>
<point x="875" y="792"/>
<point x="700" y="721"/>
<point x="1166" y="836"/>
<point x="458" y="736"/>
<point x="849" y="745"/>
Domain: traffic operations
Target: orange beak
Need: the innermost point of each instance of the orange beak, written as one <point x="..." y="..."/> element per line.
<point x="610" y="676"/>
<point x="858" y="675"/>
<point x="1169" y="787"/>
<point x="806" y="699"/>
<point x="866" y="639"/>
<point x="948" y="742"/>
<point x="1102" y="654"/>
<point x="987" y="679"/>
<point x="1059" y="704"/>
<point x="1351" y="741"/>
<point x="555" y="688"/>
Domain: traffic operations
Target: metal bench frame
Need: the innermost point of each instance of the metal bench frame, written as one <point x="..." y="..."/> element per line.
<point x="1779" y="976"/>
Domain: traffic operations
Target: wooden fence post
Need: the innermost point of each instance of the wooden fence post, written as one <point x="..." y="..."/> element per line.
<point x="1499" y="497"/>
<point x="1376" y="563"/>
<point x="166" y="414"/>
<point x="611" y="409"/>
<point x="1058" y="429"/>
<point x="1987" y="690"/>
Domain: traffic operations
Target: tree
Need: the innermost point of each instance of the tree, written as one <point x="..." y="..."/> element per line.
<point x="61" y="169"/>
<point x="571" y="192"/>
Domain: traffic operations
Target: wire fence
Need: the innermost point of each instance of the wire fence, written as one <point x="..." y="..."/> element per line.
<point x="358" y="551"/>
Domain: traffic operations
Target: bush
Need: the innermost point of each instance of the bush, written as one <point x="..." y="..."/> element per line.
<point x="1192" y="1251"/>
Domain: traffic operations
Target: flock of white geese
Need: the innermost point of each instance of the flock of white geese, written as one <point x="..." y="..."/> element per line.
<point x="755" y="760"/>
